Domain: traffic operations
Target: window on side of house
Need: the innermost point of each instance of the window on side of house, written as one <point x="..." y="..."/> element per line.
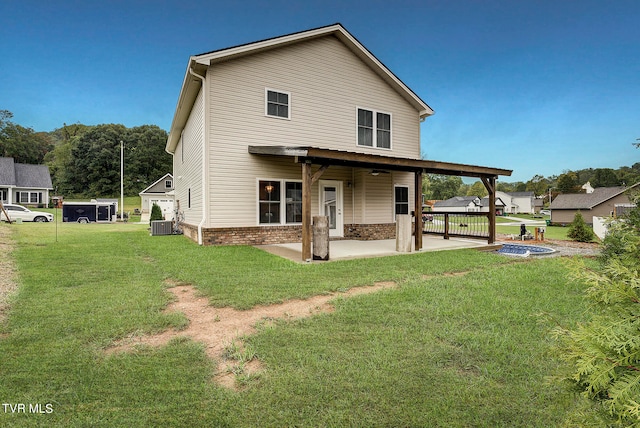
<point x="374" y="129"/>
<point x="293" y="195"/>
<point x="401" y="200"/>
<point x="278" y="104"/>
<point x="280" y="202"/>
<point x="168" y="184"/>
<point x="269" y="201"/>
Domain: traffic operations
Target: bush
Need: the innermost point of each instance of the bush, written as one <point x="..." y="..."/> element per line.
<point x="604" y="354"/>
<point x="156" y="213"/>
<point x="579" y="230"/>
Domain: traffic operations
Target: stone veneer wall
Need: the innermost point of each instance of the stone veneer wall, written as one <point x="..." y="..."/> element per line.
<point x="264" y="235"/>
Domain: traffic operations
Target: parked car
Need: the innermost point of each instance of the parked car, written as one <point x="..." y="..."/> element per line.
<point x="25" y="214"/>
<point x="545" y="212"/>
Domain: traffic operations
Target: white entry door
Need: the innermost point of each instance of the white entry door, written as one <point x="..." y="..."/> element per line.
<point x="331" y="205"/>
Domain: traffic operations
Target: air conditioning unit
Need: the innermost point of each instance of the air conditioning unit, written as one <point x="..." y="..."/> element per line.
<point x="161" y="227"/>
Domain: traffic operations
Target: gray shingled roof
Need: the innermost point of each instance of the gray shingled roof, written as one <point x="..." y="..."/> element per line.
<point x="7" y="172"/>
<point x="456" y="201"/>
<point x="24" y="175"/>
<point x="520" y="194"/>
<point x="586" y="201"/>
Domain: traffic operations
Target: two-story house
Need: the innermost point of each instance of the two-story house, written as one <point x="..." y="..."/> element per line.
<point x="268" y="134"/>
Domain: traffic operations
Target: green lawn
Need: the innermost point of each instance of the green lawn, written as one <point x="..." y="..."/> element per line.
<point x="440" y="350"/>
<point x="551" y="232"/>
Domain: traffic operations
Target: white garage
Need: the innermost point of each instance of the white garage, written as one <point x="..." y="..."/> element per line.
<point x="161" y="193"/>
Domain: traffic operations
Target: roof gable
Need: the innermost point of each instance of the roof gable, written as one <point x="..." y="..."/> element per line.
<point x="200" y="63"/>
<point x="158" y="186"/>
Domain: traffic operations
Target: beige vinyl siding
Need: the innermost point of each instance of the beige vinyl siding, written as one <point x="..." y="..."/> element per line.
<point x="378" y="199"/>
<point x="327" y="82"/>
<point x="188" y="172"/>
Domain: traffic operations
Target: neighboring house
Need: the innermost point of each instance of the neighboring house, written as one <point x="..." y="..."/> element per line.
<point x="268" y="134"/>
<point x="522" y="202"/>
<point x="468" y="204"/>
<point x="538" y="204"/>
<point x="24" y="184"/>
<point x="161" y="193"/>
<point x="517" y="202"/>
<point x="602" y="202"/>
<point x="459" y="204"/>
<point x="499" y="205"/>
<point x="587" y="187"/>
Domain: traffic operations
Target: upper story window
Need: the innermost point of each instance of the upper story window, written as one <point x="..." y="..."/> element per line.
<point x="278" y="104"/>
<point x="168" y="184"/>
<point x="374" y="129"/>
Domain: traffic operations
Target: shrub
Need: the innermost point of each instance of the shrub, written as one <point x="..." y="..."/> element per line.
<point x="604" y="354"/>
<point x="156" y="213"/>
<point x="579" y="230"/>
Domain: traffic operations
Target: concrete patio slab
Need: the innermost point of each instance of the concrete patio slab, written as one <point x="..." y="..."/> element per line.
<point x="353" y="249"/>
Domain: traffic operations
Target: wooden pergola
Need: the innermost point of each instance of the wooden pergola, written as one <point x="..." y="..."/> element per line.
<point x="325" y="158"/>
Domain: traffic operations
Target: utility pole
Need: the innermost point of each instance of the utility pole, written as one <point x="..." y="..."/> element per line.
<point x="121" y="180"/>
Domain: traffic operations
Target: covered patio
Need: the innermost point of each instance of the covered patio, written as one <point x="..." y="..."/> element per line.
<point x="353" y="249"/>
<point x="325" y="158"/>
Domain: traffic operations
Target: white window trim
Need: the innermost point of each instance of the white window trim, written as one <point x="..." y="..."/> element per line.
<point x="375" y="129"/>
<point x="266" y="103"/>
<point x="395" y="186"/>
<point x="283" y="203"/>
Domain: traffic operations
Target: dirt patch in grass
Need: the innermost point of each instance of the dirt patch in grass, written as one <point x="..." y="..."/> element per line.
<point x="221" y="329"/>
<point x="8" y="284"/>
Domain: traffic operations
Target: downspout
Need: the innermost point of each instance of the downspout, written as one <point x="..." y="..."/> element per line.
<point x="204" y="153"/>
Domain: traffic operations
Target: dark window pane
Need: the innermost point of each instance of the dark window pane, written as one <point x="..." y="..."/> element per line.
<point x="365" y="118"/>
<point x="269" y="212"/>
<point x="269" y="191"/>
<point x="402" y="194"/>
<point x="383" y="121"/>
<point x="384" y="139"/>
<point x="365" y="137"/>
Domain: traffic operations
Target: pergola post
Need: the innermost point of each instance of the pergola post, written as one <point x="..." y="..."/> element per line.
<point x="418" y="210"/>
<point x="306" y="211"/>
<point x="490" y="185"/>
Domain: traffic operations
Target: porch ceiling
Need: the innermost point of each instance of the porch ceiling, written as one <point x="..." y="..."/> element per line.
<point x="361" y="160"/>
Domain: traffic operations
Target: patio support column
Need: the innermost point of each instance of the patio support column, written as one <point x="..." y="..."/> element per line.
<point x="306" y="211"/>
<point x="490" y="185"/>
<point x="418" y="210"/>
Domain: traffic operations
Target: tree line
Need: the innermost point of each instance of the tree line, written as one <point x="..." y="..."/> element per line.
<point x="84" y="160"/>
<point x="441" y="187"/>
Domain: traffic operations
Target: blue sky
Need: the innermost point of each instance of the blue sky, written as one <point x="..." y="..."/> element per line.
<point x="535" y="86"/>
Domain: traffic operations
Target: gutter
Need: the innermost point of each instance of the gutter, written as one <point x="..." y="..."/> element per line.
<point x="204" y="157"/>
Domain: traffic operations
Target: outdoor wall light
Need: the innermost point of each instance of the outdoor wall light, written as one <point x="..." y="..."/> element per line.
<point x="376" y="172"/>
